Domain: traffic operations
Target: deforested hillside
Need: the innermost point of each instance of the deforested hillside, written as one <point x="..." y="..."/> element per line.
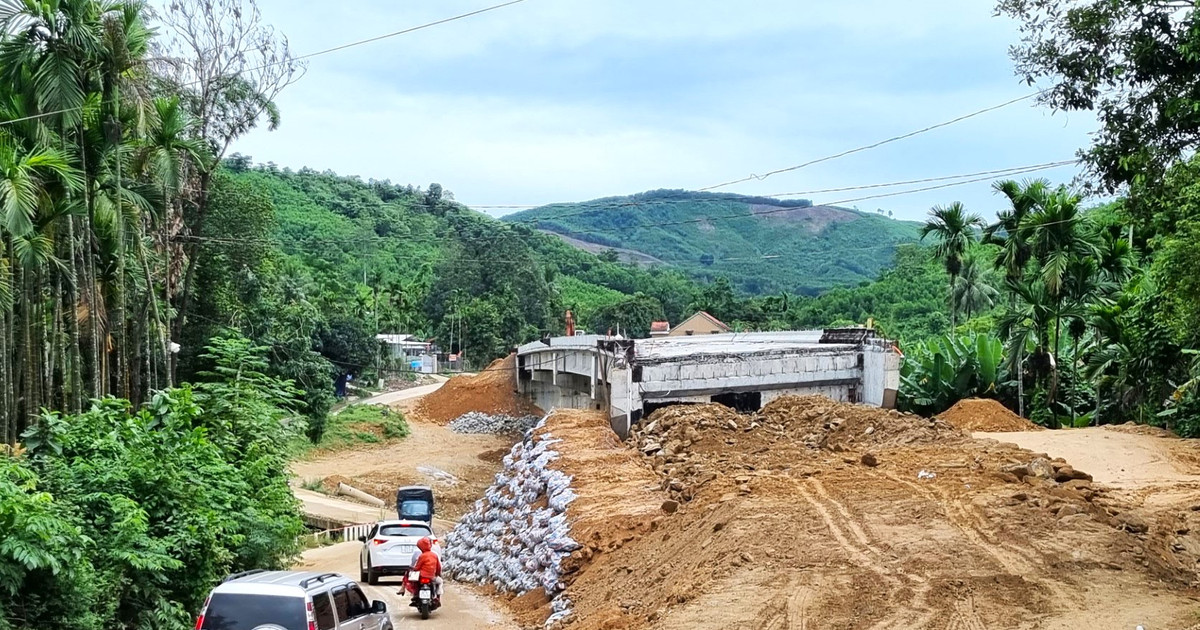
<point x="762" y="245"/>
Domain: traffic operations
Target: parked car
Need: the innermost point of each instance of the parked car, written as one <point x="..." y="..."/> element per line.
<point x="415" y="503"/>
<point x="388" y="549"/>
<point x="292" y="600"/>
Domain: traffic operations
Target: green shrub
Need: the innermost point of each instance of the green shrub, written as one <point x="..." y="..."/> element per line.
<point x="121" y="518"/>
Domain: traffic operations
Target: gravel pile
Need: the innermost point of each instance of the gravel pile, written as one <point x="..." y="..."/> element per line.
<point x="517" y="536"/>
<point x="494" y="424"/>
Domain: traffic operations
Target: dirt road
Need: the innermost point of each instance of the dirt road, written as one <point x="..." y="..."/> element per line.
<point x="457" y="466"/>
<point x="463" y="608"/>
<point x="1116" y="458"/>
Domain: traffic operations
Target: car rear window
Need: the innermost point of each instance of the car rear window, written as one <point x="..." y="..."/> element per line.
<point x="404" y="530"/>
<point x="417" y="508"/>
<point x="233" y="611"/>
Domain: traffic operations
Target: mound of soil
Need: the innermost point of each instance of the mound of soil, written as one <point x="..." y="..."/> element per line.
<point x="986" y="415"/>
<point x="491" y="391"/>
<point x="783" y="521"/>
<point x="823" y="423"/>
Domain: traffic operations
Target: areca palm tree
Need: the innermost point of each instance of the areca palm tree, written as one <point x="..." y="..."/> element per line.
<point x="168" y="151"/>
<point x="1007" y="232"/>
<point x="954" y="229"/>
<point x="972" y="292"/>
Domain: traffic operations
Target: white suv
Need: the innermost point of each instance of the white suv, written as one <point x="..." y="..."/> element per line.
<point x="388" y="549"/>
<point x="293" y="600"/>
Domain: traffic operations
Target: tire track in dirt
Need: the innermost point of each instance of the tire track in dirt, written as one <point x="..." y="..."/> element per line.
<point x="857" y="554"/>
<point x="973" y="525"/>
<point x="789" y="611"/>
<point x="915" y="612"/>
<point x="964" y="616"/>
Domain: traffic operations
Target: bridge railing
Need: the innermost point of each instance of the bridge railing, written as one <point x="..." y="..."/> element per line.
<point x="343" y="534"/>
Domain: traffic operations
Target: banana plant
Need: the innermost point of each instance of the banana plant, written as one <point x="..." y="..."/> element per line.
<point x="940" y="372"/>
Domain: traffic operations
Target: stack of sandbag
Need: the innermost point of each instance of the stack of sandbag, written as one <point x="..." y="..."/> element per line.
<point x="517" y="535"/>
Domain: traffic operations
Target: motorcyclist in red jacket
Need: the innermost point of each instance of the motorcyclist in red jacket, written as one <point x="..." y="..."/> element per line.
<point x="429" y="566"/>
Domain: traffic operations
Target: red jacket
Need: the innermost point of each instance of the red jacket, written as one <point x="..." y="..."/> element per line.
<point x="428" y="564"/>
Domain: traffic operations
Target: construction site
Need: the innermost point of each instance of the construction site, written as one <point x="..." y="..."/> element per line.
<point x="806" y="512"/>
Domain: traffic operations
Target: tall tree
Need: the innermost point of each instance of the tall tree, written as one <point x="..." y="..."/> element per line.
<point x="954" y="230"/>
<point x="229" y="68"/>
<point x="1132" y="62"/>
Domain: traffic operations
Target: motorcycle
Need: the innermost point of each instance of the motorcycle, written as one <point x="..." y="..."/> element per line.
<point x="425" y="598"/>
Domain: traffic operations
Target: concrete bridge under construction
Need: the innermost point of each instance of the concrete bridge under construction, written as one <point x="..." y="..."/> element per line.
<point x="629" y="378"/>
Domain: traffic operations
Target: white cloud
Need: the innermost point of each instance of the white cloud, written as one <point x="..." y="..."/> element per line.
<point x="559" y="100"/>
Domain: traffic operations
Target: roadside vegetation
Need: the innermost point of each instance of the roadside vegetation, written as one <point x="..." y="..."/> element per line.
<point x="123" y="517"/>
<point x="355" y="426"/>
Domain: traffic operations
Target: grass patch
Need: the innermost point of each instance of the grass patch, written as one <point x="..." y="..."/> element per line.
<point x="357" y="425"/>
<point x="313" y="485"/>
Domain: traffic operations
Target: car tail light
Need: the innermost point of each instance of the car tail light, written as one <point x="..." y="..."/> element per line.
<point x="308" y="608"/>
<point x="203" y="610"/>
<point x="378" y="541"/>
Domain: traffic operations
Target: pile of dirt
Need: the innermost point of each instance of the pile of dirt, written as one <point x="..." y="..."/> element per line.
<point x="820" y="422"/>
<point x="491" y="391"/>
<point x="986" y="415"/>
<point x="814" y="513"/>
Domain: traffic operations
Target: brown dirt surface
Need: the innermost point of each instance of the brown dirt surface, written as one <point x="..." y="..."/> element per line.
<point x="782" y="526"/>
<point x="985" y="414"/>
<point x="493" y="390"/>
<point x="380" y="469"/>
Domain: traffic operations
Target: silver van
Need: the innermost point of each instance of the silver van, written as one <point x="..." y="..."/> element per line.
<point x="291" y="600"/>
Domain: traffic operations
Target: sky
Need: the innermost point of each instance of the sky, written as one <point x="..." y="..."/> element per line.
<point x="568" y="100"/>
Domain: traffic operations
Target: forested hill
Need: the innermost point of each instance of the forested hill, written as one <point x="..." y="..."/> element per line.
<point x="374" y="256"/>
<point x="763" y="245"/>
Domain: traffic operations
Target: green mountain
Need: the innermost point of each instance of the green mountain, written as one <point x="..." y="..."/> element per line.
<point x="372" y="256"/>
<point x="762" y="245"/>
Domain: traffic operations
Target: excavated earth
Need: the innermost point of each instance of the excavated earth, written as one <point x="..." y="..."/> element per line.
<point x="986" y="415"/>
<point x="815" y="514"/>
<point x="492" y="391"/>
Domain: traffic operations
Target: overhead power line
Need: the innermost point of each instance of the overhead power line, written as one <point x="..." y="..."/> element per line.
<point x="753" y="177"/>
<point x="736" y="197"/>
<point x="996" y="173"/>
<point x="405" y="31"/>
<point x="308" y="55"/>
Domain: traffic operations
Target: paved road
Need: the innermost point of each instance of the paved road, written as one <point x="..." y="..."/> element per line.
<point x="335" y="509"/>
<point x="462" y="608"/>
<point x="391" y="398"/>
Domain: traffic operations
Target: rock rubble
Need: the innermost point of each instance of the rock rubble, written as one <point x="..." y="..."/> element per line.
<point x="493" y="424"/>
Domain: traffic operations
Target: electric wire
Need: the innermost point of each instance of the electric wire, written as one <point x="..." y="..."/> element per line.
<point x="307" y="55"/>
<point x="753" y="177"/>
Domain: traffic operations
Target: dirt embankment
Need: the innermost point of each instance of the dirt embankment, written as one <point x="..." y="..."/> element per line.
<point x="819" y="514"/>
<point x="491" y="391"/>
<point x="986" y="415"/>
